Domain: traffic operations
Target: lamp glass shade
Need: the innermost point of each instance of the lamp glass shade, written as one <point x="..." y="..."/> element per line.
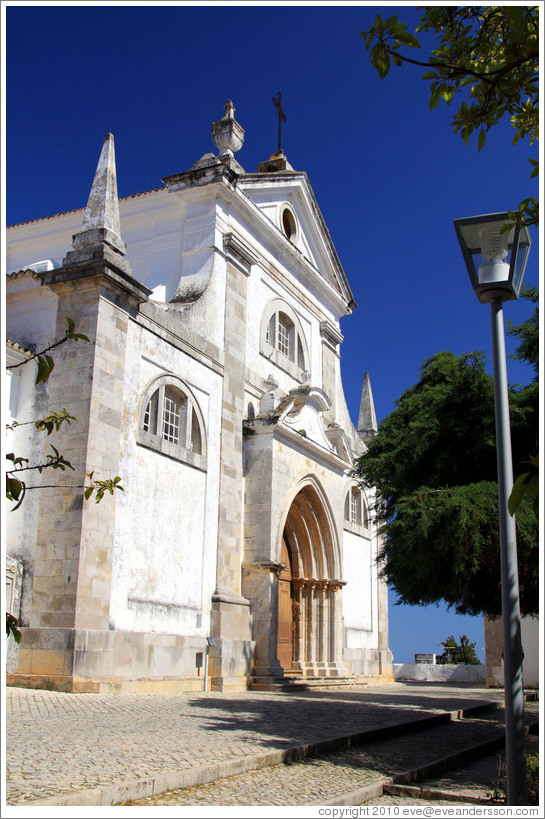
<point x="495" y="259"/>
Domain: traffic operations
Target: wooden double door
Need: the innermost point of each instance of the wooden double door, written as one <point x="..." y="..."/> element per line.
<point x="285" y="610"/>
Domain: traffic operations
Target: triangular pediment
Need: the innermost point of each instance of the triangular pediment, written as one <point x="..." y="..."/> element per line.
<point x="287" y="200"/>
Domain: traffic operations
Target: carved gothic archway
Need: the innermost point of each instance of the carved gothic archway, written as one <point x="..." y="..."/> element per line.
<point x="309" y="550"/>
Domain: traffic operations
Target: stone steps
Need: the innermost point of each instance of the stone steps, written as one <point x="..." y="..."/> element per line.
<point x="448" y="757"/>
<point x="298" y="682"/>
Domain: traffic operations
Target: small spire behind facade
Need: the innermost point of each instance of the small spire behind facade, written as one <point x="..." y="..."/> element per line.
<point x="101" y="224"/>
<point x="367" y="420"/>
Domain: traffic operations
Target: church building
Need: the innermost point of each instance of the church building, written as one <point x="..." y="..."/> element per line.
<point x="239" y="552"/>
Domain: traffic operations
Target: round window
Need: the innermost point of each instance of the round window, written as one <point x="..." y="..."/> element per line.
<point x="289" y="226"/>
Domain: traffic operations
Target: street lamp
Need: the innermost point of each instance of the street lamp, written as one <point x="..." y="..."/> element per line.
<point x="496" y="261"/>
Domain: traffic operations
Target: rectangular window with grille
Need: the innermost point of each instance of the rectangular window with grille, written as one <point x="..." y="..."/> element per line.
<point x="283" y="338"/>
<point x="171" y="417"/>
<point x="354" y="498"/>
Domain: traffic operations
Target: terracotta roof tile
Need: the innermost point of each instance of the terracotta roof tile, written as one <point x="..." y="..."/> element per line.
<point x="16" y="273"/>
<point x="13" y="345"/>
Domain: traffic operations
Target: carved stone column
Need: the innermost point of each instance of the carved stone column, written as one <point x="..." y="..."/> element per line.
<point x="322" y="627"/>
<point x="298" y="622"/>
<point x="310" y="664"/>
<point x="336" y="664"/>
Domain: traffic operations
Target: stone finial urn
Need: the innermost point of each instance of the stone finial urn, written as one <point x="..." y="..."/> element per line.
<point x="227" y="134"/>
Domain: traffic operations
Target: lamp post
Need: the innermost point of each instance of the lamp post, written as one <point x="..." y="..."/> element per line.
<point x="501" y="258"/>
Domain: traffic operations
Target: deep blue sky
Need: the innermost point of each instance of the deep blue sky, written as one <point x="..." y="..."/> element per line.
<point x="388" y="174"/>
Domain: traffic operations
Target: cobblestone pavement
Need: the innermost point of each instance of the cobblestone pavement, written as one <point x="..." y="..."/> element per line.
<point x="318" y="781"/>
<point x="62" y="744"/>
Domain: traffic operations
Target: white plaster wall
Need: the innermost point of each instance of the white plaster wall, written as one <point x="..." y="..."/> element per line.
<point x="427" y="672"/>
<point x="166" y="531"/>
<point x="150" y="226"/>
<point x="31" y="312"/>
<point x="23" y="402"/>
<point x="358" y="596"/>
<point x="164" y="567"/>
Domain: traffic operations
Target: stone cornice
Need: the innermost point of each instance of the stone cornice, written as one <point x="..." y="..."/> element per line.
<point x="239" y="252"/>
<point x="105" y="267"/>
<point x="330" y="334"/>
<point x="200" y="176"/>
<point x="295" y="440"/>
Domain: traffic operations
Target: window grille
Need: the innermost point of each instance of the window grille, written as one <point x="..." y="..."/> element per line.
<point x="283" y="337"/>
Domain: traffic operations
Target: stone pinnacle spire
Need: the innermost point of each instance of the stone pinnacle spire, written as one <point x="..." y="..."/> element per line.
<point x="101" y="225"/>
<point x="367" y="420"/>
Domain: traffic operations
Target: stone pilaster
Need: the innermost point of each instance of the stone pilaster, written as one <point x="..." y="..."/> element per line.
<point x="331" y="338"/>
<point x="260" y="581"/>
<point x="230" y="616"/>
<point x="74" y="547"/>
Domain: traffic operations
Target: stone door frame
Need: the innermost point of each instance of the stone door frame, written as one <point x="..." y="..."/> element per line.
<point x="309" y="530"/>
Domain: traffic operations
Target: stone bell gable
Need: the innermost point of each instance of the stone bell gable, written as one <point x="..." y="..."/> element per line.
<point x="211" y="385"/>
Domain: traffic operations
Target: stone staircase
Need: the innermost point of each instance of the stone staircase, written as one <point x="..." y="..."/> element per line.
<point x="297" y="682"/>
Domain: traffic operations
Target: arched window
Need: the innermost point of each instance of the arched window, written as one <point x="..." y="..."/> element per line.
<point x="355" y="510"/>
<point x="283" y="340"/>
<point x="171" y="422"/>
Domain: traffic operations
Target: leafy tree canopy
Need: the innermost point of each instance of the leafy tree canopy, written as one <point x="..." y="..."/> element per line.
<point x="462" y="652"/>
<point x="485" y="56"/>
<point x="434" y="465"/>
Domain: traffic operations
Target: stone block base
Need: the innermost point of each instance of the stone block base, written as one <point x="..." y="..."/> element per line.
<point x="85" y="660"/>
<point x="69" y="685"/>
<point x="370" y="663"/>
<point x="231" y="658"/>
<point x="229" y="683"/>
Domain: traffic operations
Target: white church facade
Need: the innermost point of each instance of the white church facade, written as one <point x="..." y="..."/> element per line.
<point x="240" y="551"/>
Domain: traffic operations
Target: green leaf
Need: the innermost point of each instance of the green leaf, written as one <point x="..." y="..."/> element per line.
<point x="435" y="96"/>
<point x="520" y="488"/>
<point x="515" y="15"/>
<point x="69" y="326"/>
<point x="45" y="367"/>
<point x="407" y="39"/>
<point x="380" y="59"/>
<point x="482" y="139"/>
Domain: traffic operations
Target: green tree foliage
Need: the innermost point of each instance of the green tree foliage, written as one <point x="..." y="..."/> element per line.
<point x="462" y="652"/>
<point x="485" y="57"/>
<point x="434" y="465"/>
<point x="528" y="334"/>
<point x="527" y="483"/>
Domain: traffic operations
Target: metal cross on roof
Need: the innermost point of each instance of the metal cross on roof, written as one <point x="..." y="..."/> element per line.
<point x="277" y="102"/>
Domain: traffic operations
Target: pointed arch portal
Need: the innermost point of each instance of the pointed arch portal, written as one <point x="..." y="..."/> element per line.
<point x="309" y="635"/>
